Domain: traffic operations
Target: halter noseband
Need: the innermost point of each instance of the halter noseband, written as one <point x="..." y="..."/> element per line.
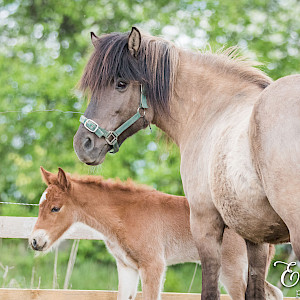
<point x="111" y="137"/>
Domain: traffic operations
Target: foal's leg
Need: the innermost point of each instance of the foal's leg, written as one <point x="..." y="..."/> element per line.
<point x="257" y="260"/>
<point x="207" y="228"/>
<point x="128" y="282"/>
<point x="152" y="277"/>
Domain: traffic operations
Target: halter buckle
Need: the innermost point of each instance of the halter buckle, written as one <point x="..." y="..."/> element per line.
<point x="89" y="124"/>
<point x="111" y="138"/>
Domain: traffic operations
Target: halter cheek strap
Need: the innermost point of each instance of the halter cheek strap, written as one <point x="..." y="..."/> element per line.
<point x="111" y="137"/>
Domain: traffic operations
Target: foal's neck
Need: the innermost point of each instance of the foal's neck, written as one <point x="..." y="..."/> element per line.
<point x="207" y="84"/>
<point x="99" y="206"/>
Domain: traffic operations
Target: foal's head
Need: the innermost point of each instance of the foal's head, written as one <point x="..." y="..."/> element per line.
<point x="56" y="212"/>
<point x="120" y="65"/>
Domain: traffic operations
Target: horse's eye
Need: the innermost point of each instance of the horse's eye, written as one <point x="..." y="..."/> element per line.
<point x="55" y="209"/>
<point x="121" y="85"/>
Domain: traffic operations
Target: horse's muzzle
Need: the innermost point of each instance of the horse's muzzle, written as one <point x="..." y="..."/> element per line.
<point x="89" y="148"/>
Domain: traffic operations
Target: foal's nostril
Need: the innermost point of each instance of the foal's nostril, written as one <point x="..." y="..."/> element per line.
<point x="34" y="243"/>
<point x="88" y="144"/>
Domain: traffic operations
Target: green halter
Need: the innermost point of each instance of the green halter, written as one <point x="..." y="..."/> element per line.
<point x="111" y="137"/>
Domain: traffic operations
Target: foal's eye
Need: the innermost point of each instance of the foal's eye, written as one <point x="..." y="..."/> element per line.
<point x="121" y="85"/>
<point x="55" y="209"/>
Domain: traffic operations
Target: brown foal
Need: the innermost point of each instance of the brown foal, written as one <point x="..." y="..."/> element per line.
<point x="144" y="229"/>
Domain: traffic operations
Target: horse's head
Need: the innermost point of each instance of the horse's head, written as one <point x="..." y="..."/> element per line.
<point x="121" y="68"/>
<point x="56" y="211"/>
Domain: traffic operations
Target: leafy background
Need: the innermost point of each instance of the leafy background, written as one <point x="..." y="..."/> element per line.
<point x="44" y="46"/>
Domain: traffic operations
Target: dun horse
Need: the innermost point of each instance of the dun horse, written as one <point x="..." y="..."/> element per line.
<point x="145" y="230"/>
<point x="238" y="135"/>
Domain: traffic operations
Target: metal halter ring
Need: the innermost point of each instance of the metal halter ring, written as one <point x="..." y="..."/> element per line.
<point x="144" y="111"/>
<point x="111" y="138"/>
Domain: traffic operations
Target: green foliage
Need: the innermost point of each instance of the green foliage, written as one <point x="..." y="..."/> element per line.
<point x="26" y="269"/>
<point x="43" y="48"/>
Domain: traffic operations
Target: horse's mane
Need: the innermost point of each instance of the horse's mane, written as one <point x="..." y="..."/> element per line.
<point x="155" y="67"/>
<point x="111" y="184"/>
<point x="231" y="61"/>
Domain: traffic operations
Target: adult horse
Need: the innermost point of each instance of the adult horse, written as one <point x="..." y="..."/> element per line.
<point x="238" y="139"/>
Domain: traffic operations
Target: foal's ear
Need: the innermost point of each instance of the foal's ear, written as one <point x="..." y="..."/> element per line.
<point x="94" y="38"/>
<point x="134" y="41"/>
<point x="62" y="179"/>
<point x="47" y="176"/>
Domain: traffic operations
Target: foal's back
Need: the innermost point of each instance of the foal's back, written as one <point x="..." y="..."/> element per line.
<point x="156" y="225"/>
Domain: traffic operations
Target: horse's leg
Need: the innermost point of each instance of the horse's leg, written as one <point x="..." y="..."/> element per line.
<point x="152" y="277"/>
<point x="234" y="269"/>
<point x="257" y="260"/>
<point x="128" y="282"/>
<point x="272" y="292"/>
<point x="207" y="228"/>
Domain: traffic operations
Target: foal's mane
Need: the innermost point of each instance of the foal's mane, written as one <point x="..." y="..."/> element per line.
<point x="110" y="184"/>
<point x="155" y="67"/>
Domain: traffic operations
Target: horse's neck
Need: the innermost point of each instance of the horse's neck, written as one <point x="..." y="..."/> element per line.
<point x="97" y="208"/>
<point x="201" y="91"/>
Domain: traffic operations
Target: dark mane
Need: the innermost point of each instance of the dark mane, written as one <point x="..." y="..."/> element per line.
<point x="155" y="67"/>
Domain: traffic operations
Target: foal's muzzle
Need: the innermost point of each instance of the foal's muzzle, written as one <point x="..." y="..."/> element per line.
<point x="35" y="246"/>
<point x="39" y="240"/>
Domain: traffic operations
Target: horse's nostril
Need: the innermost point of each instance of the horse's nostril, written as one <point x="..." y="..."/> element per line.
<point x="88" y="144"/>
<point x="34" y="243"/>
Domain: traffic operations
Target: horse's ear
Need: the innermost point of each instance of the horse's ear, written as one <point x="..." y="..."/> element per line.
<point x="47" y="176"/>
<point x="62" y="179"/>
<point x="94" y="38"/>
<point x="134" y="41"/>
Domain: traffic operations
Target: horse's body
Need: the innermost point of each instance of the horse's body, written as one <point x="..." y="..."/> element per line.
<point x="205" y="104"/>
<point x="145" y="230"/>
<point x="216" y="158"/>
<point x="217" y="143"/>
<point x="275" y="137"/>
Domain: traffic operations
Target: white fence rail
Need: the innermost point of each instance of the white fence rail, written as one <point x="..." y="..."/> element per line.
<point x="21" y="227"/>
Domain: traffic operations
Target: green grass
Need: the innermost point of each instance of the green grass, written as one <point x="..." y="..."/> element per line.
<point x="95" y="269"/>
<point x="88" y="273"/>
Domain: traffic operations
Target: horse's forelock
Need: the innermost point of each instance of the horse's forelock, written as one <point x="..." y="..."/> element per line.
<point x="155" y="67"/>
